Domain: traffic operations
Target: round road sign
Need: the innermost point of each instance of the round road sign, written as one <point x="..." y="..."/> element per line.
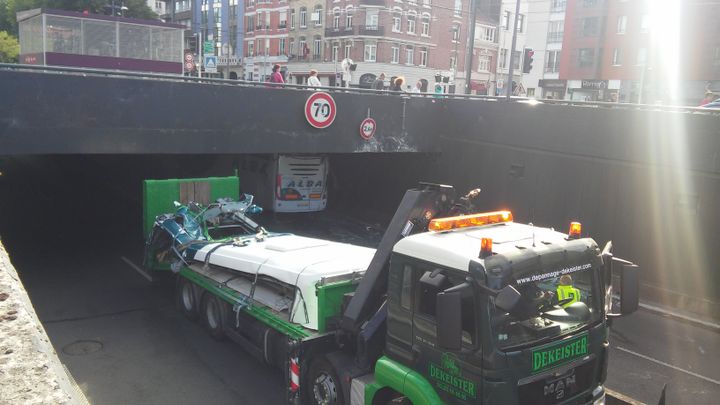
<point x="320" y="110"/>
<point x="189" y="57"/>
<point x="189" y="66"/>
<point x="367" y="128"/>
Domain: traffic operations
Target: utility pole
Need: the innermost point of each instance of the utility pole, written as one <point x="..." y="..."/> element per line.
<point x="471" y="45"/>
<point x="508" y="91"/>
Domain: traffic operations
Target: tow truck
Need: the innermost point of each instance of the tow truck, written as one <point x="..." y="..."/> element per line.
<point x="454" y="306"/>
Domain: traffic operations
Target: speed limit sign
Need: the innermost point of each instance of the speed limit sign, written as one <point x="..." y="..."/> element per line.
<point x="367" y="128"/>
<point x="320" y="110"/>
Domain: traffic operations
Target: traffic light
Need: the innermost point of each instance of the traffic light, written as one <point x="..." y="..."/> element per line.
<point x="528" y="60"/>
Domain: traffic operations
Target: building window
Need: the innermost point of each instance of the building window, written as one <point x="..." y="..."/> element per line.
<point x="423" y="57"/>
<point x="506" y="20"/>
<point x="642" y="57"/>
<point x="370" y="52"/>
<point x="426" y="3"/>
<point x="557" y="6"/>
<point x="281" y="47"/>
<point x="251" y="49"/>
<point x="411" y="22"/>
<point x="348" y="18"/>
<point x="283" y="21"/>
<point x="303" y="17"/>
<point x="348" y="50"/>
<point x="317" y="16"/>
<point x="317" y="46"/>
<point x="645" y="24"/>
<point x="372" y="18"/>
<point x="335" y="50"/>
<point x="484" y="63"/>
<point x="291" y="48"/>
<point x="516" y="59"/>
<point x="409" y="55"/>
<point x="502" y="59"/>
<point x="303" y="49"/>
<point x="456" y="33"/>
<point x="425" y="25"/>
<point x="292" y="19"/>
<point x="397" y="21"/>
<point x="395" y="55"/>
<point x="590" y="26"/>
<point x="621" y="24"/>
<point x="556" y="30"/>
<point x="452" y="63"/>
<point x="521" y="22"/>
<point x="552" y="62"/>
<point x="586" y="57"/>
<point x="457" y="10"/>
<point x="589" y="3"/>
<point x="616" y="57"/>
<point x="336" y="19"/>
<point x="249" y="23"/>
<point x="485" y="33"/>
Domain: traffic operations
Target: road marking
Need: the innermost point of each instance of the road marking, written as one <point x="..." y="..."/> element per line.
<point x="138" y="269"/>
<point x="702" y="377"/>
<point x="653" y="308"/>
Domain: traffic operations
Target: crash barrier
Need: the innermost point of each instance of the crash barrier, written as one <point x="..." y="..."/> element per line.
<point x="31" y="369"/>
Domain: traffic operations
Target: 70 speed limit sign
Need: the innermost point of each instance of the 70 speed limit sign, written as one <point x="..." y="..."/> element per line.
<point x="320" y="110"/>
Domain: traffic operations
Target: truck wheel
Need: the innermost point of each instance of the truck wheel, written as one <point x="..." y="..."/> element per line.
<point x="214" y="312"/>
<point x="185" y="296"/>
<point x="322" y="385"/>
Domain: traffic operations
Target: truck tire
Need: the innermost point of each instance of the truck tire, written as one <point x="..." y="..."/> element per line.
<point x="322" y="385"/>
<point x="214" y="312"/>
<point x="186" y="298"/>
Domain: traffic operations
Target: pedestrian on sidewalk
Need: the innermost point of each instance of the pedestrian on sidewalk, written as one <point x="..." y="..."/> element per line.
<point x="276" y="76"/>
<point x="313" y="79"/>
<point x="379" y="83"/>
<point x="397" y="86"/>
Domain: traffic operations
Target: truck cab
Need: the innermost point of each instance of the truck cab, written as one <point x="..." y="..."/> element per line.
<point x="477" y="314"/>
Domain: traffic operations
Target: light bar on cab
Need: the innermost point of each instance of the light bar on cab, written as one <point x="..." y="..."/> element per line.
<point x="465" y="221"/>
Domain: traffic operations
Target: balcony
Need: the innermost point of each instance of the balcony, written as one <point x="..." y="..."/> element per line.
<point x="339" y="32"/>
<point x="372" y="30"/>
<point x="372" y="3"/>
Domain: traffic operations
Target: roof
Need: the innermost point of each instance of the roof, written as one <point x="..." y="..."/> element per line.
<point x="456" y="248"/>
<point x="294" y="260"/>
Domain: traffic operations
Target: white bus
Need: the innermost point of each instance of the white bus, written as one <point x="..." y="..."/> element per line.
<point x="286" y="183"/>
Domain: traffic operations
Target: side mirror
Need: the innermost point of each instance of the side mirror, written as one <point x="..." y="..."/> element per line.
<point x="629" y="288"/>
<point x="629" y="285"/>
<point x="449" y="320"/>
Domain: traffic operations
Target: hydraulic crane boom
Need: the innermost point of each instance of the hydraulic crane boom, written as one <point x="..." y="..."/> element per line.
<point x="417" y="208"/>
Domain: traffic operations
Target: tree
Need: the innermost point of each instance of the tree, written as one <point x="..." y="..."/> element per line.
<point x="9" y="48"/>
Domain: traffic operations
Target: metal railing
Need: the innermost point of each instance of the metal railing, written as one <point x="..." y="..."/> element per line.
<point x="298" y="87"/>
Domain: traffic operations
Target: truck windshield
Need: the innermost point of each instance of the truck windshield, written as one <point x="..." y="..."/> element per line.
<point x="553" y="303"/>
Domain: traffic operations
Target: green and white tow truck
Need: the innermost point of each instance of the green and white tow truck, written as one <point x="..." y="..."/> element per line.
<point x="452" y="307"/>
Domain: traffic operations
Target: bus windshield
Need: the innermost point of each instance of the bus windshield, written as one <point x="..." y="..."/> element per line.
<point x="553" y="303"/>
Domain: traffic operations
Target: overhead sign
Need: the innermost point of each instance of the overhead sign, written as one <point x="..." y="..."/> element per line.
<point x="320" y="110"/>
<point x="208" y="47"/>
<point x="367" y="128"/>
<point x="210" y="64"/>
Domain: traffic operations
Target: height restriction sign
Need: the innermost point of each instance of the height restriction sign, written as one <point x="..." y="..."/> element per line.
<point x="320" y="110"/>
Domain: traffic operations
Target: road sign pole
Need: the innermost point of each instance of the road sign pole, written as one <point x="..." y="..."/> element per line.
<point x="508" y="90"/>
<point x="200" y="46"/>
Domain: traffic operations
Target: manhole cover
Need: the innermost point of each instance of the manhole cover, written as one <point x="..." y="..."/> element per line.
<point x="82" y="347"/>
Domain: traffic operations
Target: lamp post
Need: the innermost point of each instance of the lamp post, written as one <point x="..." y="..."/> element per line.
<point x="456" y="38"/>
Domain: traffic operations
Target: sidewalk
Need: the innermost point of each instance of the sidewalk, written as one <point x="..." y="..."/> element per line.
<point x="29" y="367"/>
<point x="698" y="311"/>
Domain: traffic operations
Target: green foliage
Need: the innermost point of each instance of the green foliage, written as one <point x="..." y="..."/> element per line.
<point x="9" y="48"/>
<point x="9" y="9"/>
